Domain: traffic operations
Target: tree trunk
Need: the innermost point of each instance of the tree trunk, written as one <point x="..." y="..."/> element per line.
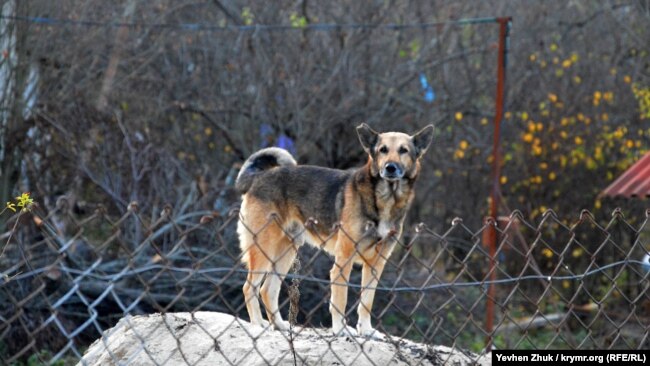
<point x="116" y="55"/>
<point x="13" y="72"/>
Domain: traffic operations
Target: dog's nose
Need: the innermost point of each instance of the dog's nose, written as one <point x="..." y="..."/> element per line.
<point x="393" y="170"/>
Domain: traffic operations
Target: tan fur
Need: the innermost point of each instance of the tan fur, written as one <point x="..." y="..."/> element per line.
<point x="272" y="230"/>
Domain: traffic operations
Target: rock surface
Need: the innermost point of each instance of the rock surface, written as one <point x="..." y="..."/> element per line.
<point x="208" y="338"/>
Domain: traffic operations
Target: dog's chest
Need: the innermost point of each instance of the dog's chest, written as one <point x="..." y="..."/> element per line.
<point x="384" y="228"/>
<point x="390" y="205"/>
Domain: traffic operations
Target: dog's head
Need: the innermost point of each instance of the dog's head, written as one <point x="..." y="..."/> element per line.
<point x="394" y="155"/>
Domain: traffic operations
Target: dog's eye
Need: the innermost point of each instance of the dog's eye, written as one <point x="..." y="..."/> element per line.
<point x="383" y="149"/>
<point x="403" y="150"/>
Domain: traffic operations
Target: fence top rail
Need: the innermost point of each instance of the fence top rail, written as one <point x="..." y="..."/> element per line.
<point x="252" y="27"/>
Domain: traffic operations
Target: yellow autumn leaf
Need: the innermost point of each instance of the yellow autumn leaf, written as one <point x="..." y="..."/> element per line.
<point x="527" y="137"/>
<point x="531" y="126"/>
<point x="577" y="252"/>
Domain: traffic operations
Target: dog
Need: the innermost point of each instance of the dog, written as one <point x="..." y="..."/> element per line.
<point x="355" y="215"/>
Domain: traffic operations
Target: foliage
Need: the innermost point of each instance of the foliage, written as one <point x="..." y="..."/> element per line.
<point x="183" y="114"/>
<point x="567" y="136"/>
<point x="23" y="202"/>
<point x="642" y="94"/>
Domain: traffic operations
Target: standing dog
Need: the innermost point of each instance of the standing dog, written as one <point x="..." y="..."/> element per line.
<point x="357" y="217"/>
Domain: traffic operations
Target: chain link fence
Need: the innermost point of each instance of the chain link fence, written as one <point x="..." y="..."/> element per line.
<point x="69" y="277"/>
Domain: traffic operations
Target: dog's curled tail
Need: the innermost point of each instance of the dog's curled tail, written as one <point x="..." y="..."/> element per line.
<point x="265" y="159"/>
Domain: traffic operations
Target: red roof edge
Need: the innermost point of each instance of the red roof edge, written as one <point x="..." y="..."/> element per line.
<point x="634" y="182"/>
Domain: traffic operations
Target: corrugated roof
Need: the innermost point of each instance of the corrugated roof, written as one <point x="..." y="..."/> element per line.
<point x="634" y="182"/>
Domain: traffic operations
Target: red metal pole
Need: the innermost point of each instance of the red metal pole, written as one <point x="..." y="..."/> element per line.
<point x="504" y="27"/>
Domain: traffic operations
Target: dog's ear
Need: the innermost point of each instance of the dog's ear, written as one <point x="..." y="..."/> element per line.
<point x="422" y="139"/>
<point x="368" y="137"/>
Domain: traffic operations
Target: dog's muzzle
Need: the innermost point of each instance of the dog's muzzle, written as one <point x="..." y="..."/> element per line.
<point x="392" y="171"/>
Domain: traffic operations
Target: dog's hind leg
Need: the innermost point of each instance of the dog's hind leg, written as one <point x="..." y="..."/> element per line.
<point x="256" y="264"/>
<point x="281" y="263"/>
<point x="254" y="243"/>
<point x="340" y="277"/>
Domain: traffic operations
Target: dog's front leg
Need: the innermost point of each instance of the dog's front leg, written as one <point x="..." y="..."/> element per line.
<point x="340" y="276"/>
<point x="373" y="266"/>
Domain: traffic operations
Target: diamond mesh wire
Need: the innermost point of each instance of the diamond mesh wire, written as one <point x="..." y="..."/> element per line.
<point x="559" y="284"/>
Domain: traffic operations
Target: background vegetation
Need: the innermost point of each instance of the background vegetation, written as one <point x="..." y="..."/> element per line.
<point x="144" y="113"/>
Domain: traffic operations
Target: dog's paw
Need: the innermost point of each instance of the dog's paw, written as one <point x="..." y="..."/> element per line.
<point x="344" y="331"/>
<point x="261" y="323"/>
<point x="281" y="325"/>
<point x="370" y="332"/>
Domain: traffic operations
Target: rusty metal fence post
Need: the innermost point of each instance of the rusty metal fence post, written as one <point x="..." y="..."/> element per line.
<point x="504" y="30"/>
